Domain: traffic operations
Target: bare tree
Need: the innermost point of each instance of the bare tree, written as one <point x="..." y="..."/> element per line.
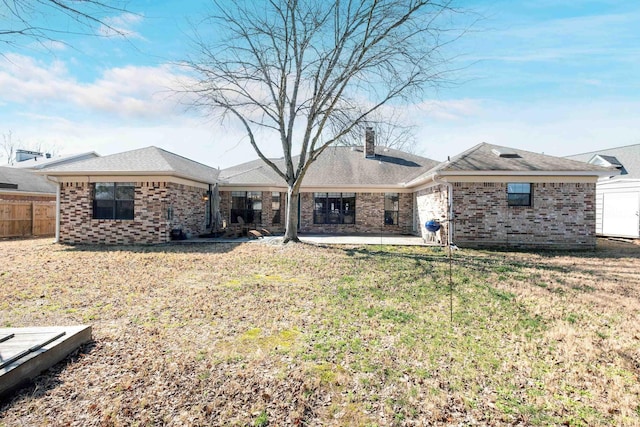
<point x="50" y="148"/>
<point x="389" y="126"/>
<point x="312" y="72"/>
<point x="8" y="147"/>
<point x="34" y="19"/>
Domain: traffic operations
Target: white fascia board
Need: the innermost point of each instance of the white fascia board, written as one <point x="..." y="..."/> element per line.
<point x="617" y="181"/>
<point x="354" y="188"/>
<point x="398" y="188"/>
<point x="251" y="187"/>
<point x="449" y="176"/>
<point x="91" y="176"/>
<point x="526" y="173"/>
<point x="420" y="181"/>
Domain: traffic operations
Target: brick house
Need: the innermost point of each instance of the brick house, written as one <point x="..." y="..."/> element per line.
<point x="488" y="196"/>
<point x="346" y="190"/>
<point x="138" y="196"/>
<point x="501" y="197"/>
<point x="494" y="196"/>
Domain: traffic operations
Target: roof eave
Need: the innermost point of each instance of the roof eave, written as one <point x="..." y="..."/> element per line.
<point x="526" y="173"/>
<point x="314" y="187"/>
<point x="125" y="173"/>
<point x="422" y="179"/>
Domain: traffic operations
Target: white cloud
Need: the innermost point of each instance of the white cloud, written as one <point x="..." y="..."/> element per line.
<point x="121" y="26"/>
<point x="48" y="46"/>
<point x="554" y="127"/>
<point x="130" y="91"/>
<point x="521" y="38"/>
<point x="457" y="109"/>
<point x="215" y="145"/>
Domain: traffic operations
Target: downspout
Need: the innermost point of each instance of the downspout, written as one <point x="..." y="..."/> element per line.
<point x="57" y="239"/>
<point x="449" y="207"/>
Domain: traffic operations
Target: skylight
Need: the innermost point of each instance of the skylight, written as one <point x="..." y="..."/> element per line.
<point x="506" y="153"/>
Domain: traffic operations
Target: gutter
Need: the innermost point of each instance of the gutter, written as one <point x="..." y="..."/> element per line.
<point x="527" y="173"/>
<point x="432" y="176"/>
<point x="204" y="181"/>
<point x="55" y="181"/>
<point x="420" y="180"/>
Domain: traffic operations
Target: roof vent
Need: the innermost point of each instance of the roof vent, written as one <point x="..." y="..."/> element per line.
<point x="506" y="153"/>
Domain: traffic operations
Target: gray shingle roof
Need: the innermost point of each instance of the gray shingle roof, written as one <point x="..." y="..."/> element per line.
<point x="338" y="166"/>
<point x="628" y="157"/>
<point x="26" y="181"/>
<point x="485" y="157"/>
<point x="147" y="161"/>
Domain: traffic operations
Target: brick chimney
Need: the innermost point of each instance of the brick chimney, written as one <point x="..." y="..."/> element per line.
<point x="369" y="143"/>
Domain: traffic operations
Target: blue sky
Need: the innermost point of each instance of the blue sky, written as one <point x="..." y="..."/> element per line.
<point x="559" y="77"/>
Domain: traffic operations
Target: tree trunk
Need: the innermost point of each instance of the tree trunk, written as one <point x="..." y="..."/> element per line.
<point x="291" y="231"/>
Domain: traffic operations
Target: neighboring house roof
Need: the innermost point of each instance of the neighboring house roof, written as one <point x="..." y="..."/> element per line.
<point x="626" y="159"/>
<point x="23" y="181"/>
<point x="43" y="162"/>
<point x="338" y="167"/>
<point x="490" y="159"/>
<point x="149" y="161"/>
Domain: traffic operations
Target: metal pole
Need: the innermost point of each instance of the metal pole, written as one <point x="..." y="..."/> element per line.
<point x="450" y="285"/>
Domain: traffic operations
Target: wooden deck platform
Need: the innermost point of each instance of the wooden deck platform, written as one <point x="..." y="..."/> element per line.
<point x="27" y="352"/>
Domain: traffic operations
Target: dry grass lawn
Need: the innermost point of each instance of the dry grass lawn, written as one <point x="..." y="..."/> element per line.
<point x="259" y="334"/>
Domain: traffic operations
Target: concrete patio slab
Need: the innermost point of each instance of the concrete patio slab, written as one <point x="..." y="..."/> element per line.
<point x="329" y="239"/>
<point x="325" y="239"/>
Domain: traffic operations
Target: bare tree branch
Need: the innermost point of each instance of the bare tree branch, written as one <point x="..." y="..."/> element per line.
<point x="30" y="20"/>
<point x="314" y="72"/>
<point x="8" y="147"/>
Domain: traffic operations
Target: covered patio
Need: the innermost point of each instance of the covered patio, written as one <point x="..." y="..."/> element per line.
<point x="324" y="239"/>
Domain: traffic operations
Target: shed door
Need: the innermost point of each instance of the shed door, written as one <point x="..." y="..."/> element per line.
<point x="621" y="214"/>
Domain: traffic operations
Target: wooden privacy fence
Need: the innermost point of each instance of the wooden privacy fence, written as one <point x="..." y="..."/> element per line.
<point x="20" y="219"/>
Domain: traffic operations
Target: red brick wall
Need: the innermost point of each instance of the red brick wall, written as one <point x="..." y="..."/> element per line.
<point x="150" y="224"/>
<point x="562" y="216"/>
<point x="369" y="216"/>
<point x="188" y="208"/>
<point x="267" y="213"/>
